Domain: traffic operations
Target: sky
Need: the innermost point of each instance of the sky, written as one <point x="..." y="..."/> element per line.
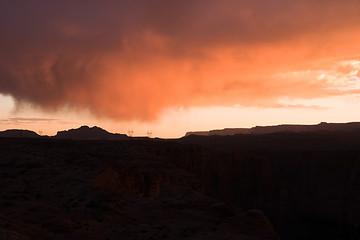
<point x="168" y="67"/>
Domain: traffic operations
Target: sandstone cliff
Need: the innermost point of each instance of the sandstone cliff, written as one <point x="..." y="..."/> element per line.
<point x="307" y="184"/>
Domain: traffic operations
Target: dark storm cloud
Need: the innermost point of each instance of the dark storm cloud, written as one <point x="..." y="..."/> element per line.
<point x="133" y="59"/>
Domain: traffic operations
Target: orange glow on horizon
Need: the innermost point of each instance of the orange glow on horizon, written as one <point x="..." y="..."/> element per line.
<point x="137" y="64"/>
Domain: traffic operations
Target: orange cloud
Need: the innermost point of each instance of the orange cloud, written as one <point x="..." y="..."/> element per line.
<point x="127" y="60"/>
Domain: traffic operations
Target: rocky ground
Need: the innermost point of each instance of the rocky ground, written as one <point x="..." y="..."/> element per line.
<point x="64" y="189"/>
<point x="307" y="184"/>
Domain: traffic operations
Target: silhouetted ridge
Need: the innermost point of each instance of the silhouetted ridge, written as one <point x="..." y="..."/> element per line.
<point x="87" y="133"/>
<point x="323" y="127"/>
<point x="19" y="133"/>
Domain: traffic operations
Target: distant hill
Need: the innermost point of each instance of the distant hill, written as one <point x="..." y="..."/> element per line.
<point x="221" y="132"/>
<point x="87" y="133"/>
<point x="323" y="127"/>
<point x="18" y="133"/>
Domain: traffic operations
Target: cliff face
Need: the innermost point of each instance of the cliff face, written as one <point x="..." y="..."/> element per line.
<point x="304" y="185"/>
<point x="301" y="181"/>
<point x="143" y="183"/>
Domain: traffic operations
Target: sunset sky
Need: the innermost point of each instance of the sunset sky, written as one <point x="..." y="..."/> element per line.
<point x="175" y="66"/>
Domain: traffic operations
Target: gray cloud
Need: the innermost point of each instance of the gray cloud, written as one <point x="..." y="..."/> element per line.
<point x="133" y="59"/>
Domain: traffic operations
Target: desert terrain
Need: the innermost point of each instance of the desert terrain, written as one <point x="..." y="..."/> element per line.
<point x="92" y="189"/>
<point x="87" y="183"/>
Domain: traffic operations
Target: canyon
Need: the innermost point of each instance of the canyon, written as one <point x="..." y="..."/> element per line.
<point x="288" y="185"/>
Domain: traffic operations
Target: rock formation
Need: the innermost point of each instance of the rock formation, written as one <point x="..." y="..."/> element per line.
<point x="198" y="187"/>
<point x="306" y="183"/>
<point x="87" y="133"/>
<point x="321" y="127"/>
<point x="17" y="133"/>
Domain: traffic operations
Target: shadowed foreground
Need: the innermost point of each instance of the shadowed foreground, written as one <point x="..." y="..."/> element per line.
<point x="307" y="183"/>
<point x="65" y="189"/>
